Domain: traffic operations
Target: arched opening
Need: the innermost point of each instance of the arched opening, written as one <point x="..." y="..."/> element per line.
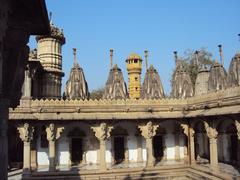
<point x="227" y="143"/>
<point x="15" y="148"/>
<point x="76" y="137"/>
<point x="119" y="149"/>
<point x="158" y="148"/>
<point x="201" y="143"/>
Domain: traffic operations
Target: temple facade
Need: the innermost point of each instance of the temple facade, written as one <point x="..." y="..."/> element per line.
<point x="130" y="130"/>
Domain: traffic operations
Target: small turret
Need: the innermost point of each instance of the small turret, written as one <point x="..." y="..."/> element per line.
<point x="201" y="84"/>
<point x="76" y="86"/>
<point x="217" y="77"/>
<point x="134" y="68"/>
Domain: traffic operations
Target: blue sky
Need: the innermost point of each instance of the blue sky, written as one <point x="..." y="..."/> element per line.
<point x="160" y="26"/>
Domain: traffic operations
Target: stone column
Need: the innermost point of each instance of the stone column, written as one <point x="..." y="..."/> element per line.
<point x="185" y="137"/>
<point x="53" y="133"/>
<point x="27" y="83"/>
<point x="237" y="123"/>
<point x="139" y="149"/>
<point x="4" y="103"/>
<point x="192" y="146"/>
<point x="26" y="134"/>
<point x="177" y="148"/>
<point x="148" y="132"/>
<point x="212" y="135"/>
<point x="102" y="132"/>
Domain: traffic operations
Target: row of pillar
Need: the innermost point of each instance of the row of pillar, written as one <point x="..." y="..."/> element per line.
<point x="102" y="132"/>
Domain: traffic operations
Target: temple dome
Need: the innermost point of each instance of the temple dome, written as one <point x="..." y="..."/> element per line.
<point x="115" y="87"/>
<point x="217" y="77"/>
<point x="76" y="86"/>
<point x="152" y="86"/>
<point x="234" y="71"/>
<point x="181" y="83"/>
<point x="134" y="56"/>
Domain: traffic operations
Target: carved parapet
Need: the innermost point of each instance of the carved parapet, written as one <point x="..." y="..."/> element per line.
<point x="237" y="123"/>
<point x="53" y="132"/>
<point x="102" y="131"/>
<point x="26" y="132"/>
<point x="148" y="131"/>
<point x="210" y="130"/>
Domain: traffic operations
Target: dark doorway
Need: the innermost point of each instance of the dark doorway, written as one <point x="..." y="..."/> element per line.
<point x="233" y="149"/>
<point x="119" y="149"/>
<point x="157" y="148"/>
<point x="77" y="150"/>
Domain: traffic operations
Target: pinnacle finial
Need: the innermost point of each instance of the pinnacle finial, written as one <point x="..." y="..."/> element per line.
<point x="239" y="36"/>
<point x="175" y="57"/>
<point x="196" y="56"/>
<point x="146" y="59"/>
<point x="50" y="17"/>
<point x="75" y="55"/>
<point x="221" y="53"/>
<point x="111" y="58"/>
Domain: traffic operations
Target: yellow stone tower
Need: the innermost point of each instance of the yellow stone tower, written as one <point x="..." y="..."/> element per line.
<point x="134" y="68"/>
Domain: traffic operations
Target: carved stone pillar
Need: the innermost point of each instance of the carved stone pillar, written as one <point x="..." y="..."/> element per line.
<point x="139" y="149"/>
<point x="26" y="134"/>
<point x="4" y="103"/>
<point x="102" y="132"/>
<point x="53" y="133"/>
<point x="192" y="146"/>
<point x="27" y="84"/>
<point x="185" y="137"/>
<point x="212" y="135"/>
<point x="148" y="132"/>
<point x="237" y="123"/>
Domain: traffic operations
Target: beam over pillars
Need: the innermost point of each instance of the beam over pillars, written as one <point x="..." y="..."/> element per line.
<point x="212" y="135"/>
<point x="237" y="123"/>
<point x="26" y="135"/>
<point x="102" y="132"/>
<point x="53" y="133"/>
<point x="148" y="132"/>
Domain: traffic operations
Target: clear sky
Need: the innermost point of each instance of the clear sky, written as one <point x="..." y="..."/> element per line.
<point x="160" y="26"/>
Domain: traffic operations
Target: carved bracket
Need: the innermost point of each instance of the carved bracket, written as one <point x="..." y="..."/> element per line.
<point x="185" y="129"/>
<point x="26" y="132"/>
<point x="148" y="130"/>
<point x="53" y="132"/>
<point x="102" y="131"/>
<point x="211" y="130"/>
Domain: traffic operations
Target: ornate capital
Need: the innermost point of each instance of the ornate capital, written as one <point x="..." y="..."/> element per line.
<point x="237" y="123"/>
<point x="211" y="131"/>
<point x="148" y="130"/>
<point x="53" y="132"/>
<point x="102" y="131"/>
<point x="26" y="132"/>
<point x="185" y="129"/>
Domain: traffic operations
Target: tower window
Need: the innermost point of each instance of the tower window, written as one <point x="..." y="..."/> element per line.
<point x="135" y="60"/>
<point x="136" y="88"/>
<point x="136" y="78"/>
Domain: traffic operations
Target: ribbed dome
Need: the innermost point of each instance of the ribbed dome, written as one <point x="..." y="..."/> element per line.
<point x="217" y="77"/>
<point x="134" y="56"/>
<point x="234" y="71"/>
<point x="115" y="86"/>
<point x="181" y="83"/>
<point x="76" y="86"/>
<point x="152" y="86"/>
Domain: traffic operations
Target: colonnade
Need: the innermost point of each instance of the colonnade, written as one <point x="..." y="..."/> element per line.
<point x="148" y="130"/>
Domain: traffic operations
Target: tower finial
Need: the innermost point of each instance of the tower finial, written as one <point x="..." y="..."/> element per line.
<point x="146" y="59"/>
<point x="196" y="57"/>
<point x="75" y="55"/>
<point x="175" y="57"/>
<point x="111" y="58"/>
<point x="239" y="36"/>
<point x="50" y="17"/>
<point x="221" y="53"/>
